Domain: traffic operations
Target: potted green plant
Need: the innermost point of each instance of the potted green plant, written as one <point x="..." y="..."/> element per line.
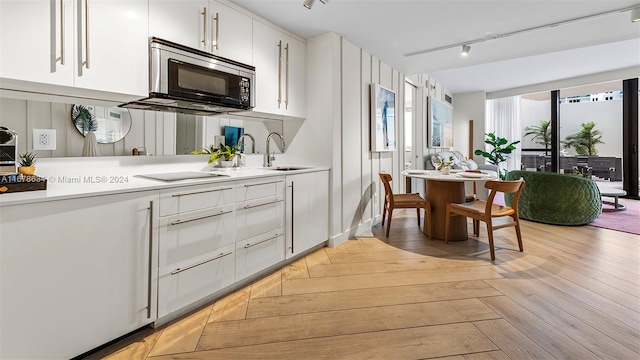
<point x="27" y="163"/>
<point x="83" y="119"/>
<point x="541" y="134"/>
<point x="443" y="164"/>
<point x="224" y="153"/>
<point x="585" y="140"/>
<point x="500" y="151"/>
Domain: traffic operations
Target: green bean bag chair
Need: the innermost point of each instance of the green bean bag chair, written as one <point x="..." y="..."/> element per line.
<point x="556" y="198"/>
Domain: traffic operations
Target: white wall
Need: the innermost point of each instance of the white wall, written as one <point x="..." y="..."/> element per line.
<point x="469" y="106"/>
<point x="336" y="131"/>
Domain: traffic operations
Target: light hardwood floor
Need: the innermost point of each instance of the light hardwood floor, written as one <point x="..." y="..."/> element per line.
<point x="573" y="294"/>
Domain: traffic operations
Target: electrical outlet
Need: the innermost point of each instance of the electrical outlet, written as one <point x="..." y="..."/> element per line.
<point x="44" y="139"/>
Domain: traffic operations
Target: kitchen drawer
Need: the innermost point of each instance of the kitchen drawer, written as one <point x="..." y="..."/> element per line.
<point x="259" y="216"/>
<point x="259" y="252"/>
<point x="252" y="189"/>
<point x="184" y="283"/>
<point x="188" y="234"/>
<point x="197" y="197"/>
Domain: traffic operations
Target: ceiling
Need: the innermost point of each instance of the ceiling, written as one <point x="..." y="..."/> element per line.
<point x="390" y="29"/>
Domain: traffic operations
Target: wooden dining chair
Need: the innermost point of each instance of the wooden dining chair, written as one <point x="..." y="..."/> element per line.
<point x="403" y="201"/>
<point x="485" y="211"/>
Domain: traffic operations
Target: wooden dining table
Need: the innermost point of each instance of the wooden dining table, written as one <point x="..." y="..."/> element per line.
<point x="443" y="189"/>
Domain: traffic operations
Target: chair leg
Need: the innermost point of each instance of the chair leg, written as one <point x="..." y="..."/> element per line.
<point x="389" y="221"/>
<point x="418" y="211"/>
<point x="384" y="212"/>
<point x="490" y="236"/>
<point x="518" y="233"/>
<point x="446" y="225"/>
<point x="476" y="227"/>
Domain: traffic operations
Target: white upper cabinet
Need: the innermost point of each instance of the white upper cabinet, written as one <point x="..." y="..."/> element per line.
<point x="32" y="35"/>
<point x="112" y="49"/>
<point x="205" y="25"/>
<point x="280" y="72"/>
<point x="231" y="33"/>
<point x="182" y="22"/>
<point x="91" y="44"/>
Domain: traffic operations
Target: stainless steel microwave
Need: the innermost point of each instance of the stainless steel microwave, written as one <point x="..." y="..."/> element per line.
<point x="184" y="79"/>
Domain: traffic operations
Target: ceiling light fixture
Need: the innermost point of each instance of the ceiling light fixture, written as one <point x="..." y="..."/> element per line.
<point x="308" y="4"/>
<point x="635" y="14"/>
<point x="465" y="50"/>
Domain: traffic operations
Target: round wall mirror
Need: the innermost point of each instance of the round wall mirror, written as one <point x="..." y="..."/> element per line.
<point x="109" y="124"/>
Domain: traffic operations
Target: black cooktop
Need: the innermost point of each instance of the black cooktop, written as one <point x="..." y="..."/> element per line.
<point x="181" y="175"/>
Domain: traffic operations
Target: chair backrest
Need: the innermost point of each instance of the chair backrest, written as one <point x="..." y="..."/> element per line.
<point x="504" y="187"/>
<point x="386" y="182"/>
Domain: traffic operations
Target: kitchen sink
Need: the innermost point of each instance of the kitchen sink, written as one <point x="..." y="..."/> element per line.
<point x="288" y="168"/>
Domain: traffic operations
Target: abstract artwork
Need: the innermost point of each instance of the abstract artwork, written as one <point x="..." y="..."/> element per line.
<point x="440" y="124"/>
<point x="383" y="119"/>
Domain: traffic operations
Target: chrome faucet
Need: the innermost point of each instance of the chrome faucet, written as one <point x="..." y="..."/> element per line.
<point x="268" y="156"/>
<point x="253" y="142"/>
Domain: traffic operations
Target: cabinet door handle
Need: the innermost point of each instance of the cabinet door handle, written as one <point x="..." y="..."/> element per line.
<point x="258" y="205"/>
<point x="279" y="73"/>
<point x="264" y="183"/>
<point x="200" y="192"/>
<point x="181" y="221"/>
<point x="263" y="241"/>
<point x="150" y="269"/>
<point x="86" y="45"/>
<point x="286" y="99"/>
<point x="293" y="238"/>
<point x="179" y="270"/>
<point x="62" y="32"/>
<point x="217" y="19"/>
<point x="204" y="26"/>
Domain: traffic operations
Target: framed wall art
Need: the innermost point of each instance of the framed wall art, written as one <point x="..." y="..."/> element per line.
<point x="440" y="124"/>
<point x="383" y="119"/>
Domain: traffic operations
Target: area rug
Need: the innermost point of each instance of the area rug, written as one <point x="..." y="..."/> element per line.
<point x="626" y="221"/>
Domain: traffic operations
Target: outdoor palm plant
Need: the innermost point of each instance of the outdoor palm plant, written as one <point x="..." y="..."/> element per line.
<point x="585" y="140"/>
<point x="541" y="134"/>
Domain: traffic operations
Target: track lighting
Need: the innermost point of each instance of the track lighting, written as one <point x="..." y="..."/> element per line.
<point x="308" y="4"/>
<point x="635" y="15"/>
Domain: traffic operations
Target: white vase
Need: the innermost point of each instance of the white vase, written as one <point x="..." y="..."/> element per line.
<point x="445" y="170"/>
<point x="226" y="163"/>
<point x="90" y="147"/>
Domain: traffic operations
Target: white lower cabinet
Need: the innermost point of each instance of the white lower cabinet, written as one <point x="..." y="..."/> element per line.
<point x="183" y="283"/>
<point x="307" y="211"/>
<point x="75" y="274"/>
<point x="255" y="217"/>
<point x="258" y="253"/>
<point x="185" y="235"/>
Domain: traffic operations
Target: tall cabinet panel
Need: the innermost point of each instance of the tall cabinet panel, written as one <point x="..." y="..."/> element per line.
<point x="85" y="275"/>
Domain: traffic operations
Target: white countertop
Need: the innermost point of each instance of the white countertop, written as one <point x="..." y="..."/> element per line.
<point x="81" y="177"/>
